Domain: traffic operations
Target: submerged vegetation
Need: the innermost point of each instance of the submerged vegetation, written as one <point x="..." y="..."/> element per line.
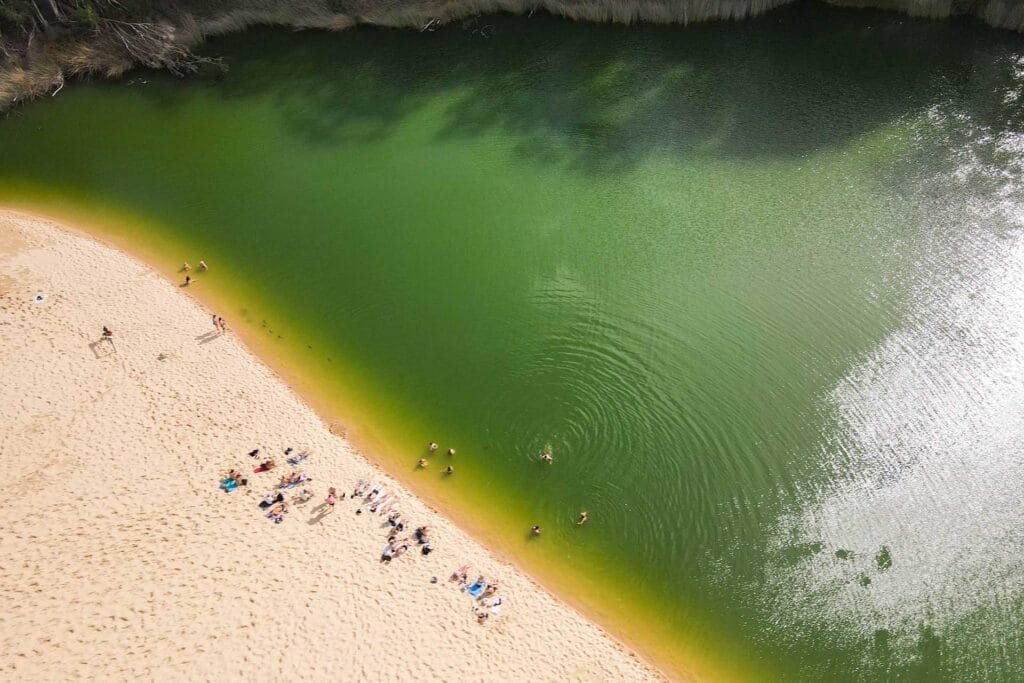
<point x="43" y="41"/>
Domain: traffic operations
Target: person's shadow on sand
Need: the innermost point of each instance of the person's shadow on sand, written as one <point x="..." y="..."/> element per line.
<point x="102" y="348"/>
<point x="318" y="513"/>
<point x="207" y="337"/>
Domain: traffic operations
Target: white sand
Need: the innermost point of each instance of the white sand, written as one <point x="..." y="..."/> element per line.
<point x="119" y="556"/>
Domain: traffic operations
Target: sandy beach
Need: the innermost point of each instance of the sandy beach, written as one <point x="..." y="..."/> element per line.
<point x="122" y="558"/>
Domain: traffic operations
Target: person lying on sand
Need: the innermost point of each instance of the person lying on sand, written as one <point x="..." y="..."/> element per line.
<point x="460" y="574"/>
<point x="277" y="513"/>
<point x="107" y="334"/>
<point x="400" y="551"/>
<point x="394" y="517"/>
<point x="293" y="479"/>
<point x="490" y="590"/>
<point x="271" y="498"/>
<point x="421" y="534"/>
<point x="305" y="496"/>
<point x="481" y="616"/>
<point x="360" y="488"/>
<point x="268" y="465"/>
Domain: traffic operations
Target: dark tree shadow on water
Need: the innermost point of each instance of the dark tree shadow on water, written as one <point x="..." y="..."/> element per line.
<point x="603" y="98"/>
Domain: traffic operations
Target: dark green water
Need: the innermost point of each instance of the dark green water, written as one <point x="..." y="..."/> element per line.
<point x="760" y="286"/>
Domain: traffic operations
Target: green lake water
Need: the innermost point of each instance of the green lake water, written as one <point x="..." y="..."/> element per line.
<point x="760" y="285"/>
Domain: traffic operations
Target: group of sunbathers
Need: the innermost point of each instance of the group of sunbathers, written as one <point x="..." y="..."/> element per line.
<point x="484" y="593"/>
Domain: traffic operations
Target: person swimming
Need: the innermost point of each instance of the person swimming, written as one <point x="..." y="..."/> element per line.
<point x="203" y="266"/>
<point x="583" y="518"/>
<point x="546" y="457"/>
<point x="449" y="469"/>
<point x="535" y="530"/>
<point x="451" y="451"/>
<point x="422" y="463"/>
<point x="432" y="447"/>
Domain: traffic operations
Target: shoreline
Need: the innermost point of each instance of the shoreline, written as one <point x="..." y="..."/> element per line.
<point x="36" y="225"/>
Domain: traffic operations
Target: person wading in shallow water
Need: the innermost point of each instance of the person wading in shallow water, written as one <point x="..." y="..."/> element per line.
<point x="535" y="530"/>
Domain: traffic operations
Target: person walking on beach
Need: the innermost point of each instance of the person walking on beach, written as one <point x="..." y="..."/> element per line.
<point x="331" y="498"/>
<point x="188" y="281"/>
<point x="223" y="325"/>
<point x="216" y="324"/>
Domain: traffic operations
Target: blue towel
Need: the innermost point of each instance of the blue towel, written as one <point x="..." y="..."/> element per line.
<point x="228" y="484"/>
<point x="477" y="589"/>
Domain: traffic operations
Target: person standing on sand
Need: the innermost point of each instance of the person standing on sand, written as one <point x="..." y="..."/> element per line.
<point x="223" y="325"/>
<point x="215" y="323"/>
<point x="331" y="498"/>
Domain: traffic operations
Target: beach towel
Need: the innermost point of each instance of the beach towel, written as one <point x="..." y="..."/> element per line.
<point x="229" y="484"/>
<point x="259" y="469"/>
<point x="476" y="590"/>
<point x="298" y="459"/>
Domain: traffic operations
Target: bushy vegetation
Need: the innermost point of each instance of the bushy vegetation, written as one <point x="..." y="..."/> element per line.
<point x="42" y="41"/>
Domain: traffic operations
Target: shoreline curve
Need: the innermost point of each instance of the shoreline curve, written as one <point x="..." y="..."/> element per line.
<point x="132" y="562"/>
